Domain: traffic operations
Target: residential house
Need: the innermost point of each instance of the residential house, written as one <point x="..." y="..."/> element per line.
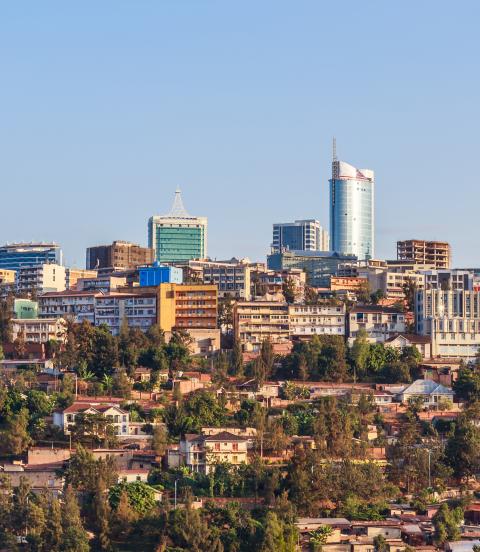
<point x="402" y="340"/>
<point x="430" y="391"/>
<point x="380" y="323"/>
<point x="116" y="416"/>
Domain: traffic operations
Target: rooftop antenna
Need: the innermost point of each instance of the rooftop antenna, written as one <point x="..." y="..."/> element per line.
<point x="334" y="149"/>
<point x="178" y="210"/>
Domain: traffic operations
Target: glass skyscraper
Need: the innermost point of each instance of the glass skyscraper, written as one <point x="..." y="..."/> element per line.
<point x="177" y="236"/>
<point x="352" y="224"/>
<point x="306" y="235"/>
<point x="17" y="255"/>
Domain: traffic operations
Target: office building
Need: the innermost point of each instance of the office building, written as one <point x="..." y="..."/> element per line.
<point x="120" y="255"/>
<point x="41" y="278"/>
<point x="177" y="236"/>
<point x="435" y="253"/>
<point x="451" y="318"/>
<point x="352" y="224"/>
<point x="318" y="265"/>
<point x="159" y="274"/>
<point x="306" y="235"/>
<point x="16" y="255"/>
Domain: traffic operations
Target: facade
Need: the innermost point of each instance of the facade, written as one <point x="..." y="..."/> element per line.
<point x="41" y="278"/>
<point x="451" y="318"/>
<point x="7" y="276"/>
<point x="158" y="274"/>
<point x="319" y="266"/>
<point x="309" y="320"/>
<point x="25" y="308"/>
<point x="257" y="321"/>
<point x="177" y="236"/>
<point x="430" y="391"/>
<point x="15" y="255"/>
<point x="202" y="453"/>
<point x="449" y="279"/>
<point x="72" y="275"/>
<point x="182" y="306"/>
<point x="380" y="323"/>
<point x="118" y="417"/>
<point x="425" y="252"/>
<point x="39" y="330"/>
<point x="103" y="283"/>
<point x="120" y="255"/>
<point x="70" y="304"/>
<point x="352" y="224"/>
<point x="306" y="235"/>
<point x="390" y="282"/>
<point x="138" y="311"/>
<point x="420" y="342"/>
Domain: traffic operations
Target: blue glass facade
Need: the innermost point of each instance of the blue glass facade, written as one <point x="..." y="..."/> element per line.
<point x="352" y="211"/>
<point x="15" y="256"/>
<point x="157" y="274"/>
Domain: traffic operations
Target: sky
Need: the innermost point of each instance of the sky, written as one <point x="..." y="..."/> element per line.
<point x="107" y="107"/>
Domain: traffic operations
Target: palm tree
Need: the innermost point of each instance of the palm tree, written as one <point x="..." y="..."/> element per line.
<point x="107" y="382"/>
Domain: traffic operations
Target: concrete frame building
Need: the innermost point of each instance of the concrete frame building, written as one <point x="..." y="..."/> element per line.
<point x="69" y="304"/>
<point x="41" y="278"/>
<point x="451" y="318"/>
<point x="380" y="323"/>
<point x="120" y="255"/>
<point x="305" y="235"/>
<point x="39" y="330"/>
<point x="256" y="321"/>
<point x="309" y="320"/>
<point x="352" y="224"/>
<point x="177" y="236"/>
<point x="434" y="253"/>
<point x="139" y="311"/>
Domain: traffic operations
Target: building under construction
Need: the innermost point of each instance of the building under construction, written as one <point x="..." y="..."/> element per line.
<point x="424" y="252"/>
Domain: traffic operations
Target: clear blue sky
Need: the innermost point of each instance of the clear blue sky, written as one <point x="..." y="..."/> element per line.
<point x="107" y="106"/>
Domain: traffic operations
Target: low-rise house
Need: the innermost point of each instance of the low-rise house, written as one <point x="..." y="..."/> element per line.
<point x="201" y="453"/>
<point x="117" y="417"/>
<point x="41" y="477"/>
<point x="421" y="342"/>
<point x="431" y="392"/>
<point x="130" y="475"/>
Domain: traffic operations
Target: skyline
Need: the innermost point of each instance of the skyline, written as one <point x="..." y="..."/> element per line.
<point x="108" y="109"/>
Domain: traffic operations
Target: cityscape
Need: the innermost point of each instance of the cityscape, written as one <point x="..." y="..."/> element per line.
<point x="320" y="396"/>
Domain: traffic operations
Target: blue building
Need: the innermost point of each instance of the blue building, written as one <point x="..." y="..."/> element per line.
<point x="318" y="265"/>
<point x="305" y="235"/>
<point x="159" y="274"/>
<point x="352" y="224"/>
<point x="16" y="255"/>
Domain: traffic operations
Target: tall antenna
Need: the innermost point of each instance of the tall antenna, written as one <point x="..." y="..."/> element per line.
<point x="334" y="149"/>
<point x="178" y="210"/>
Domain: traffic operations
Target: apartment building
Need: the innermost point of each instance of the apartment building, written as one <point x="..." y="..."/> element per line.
<point x="425" y="252"/>
<point x="39" y="330"/>
<point x="270" y="282"/>
<point x="347" y="283"/>
<point x="449" y="279"/>
<point x="257" y="321"/>
<point x="138" y="310"/>
<point x="380" y="323"/>
<point x="41" y="278"/>
<point x="101" y="283"/>
<point x="451" y="318"/>
<point x="309" y="320"/>
<point x="202" y="453"/>
<point x="70" y="304"/>
<point x="72" y="275"/>
<point x="390" y="282"/>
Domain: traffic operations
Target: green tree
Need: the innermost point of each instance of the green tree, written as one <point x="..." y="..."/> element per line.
<point x="105" y="351"/>
<point x="277" y="536"/>
<point x="121" y="384"/>
<point x="15" y="438"/>
<point x="141" y="496"/>
<point x="319" y="537"/>
<point x="236" y="360"/>
<point x="102" y="514"/>
<point x="463" y="448"/>
<point x="74" y="537"/>
<point x="53" y="533"/>
<point x="289" y="290"/>
<point x="380" y="544"/>
<point x="159" y="440"/>
<point x="359" y="353"/>
<point x="268" y="357"/>
<point x="446" y="523"/>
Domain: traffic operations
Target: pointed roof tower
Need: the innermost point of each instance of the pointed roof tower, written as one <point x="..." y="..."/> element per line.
<point x="178" y="209"/>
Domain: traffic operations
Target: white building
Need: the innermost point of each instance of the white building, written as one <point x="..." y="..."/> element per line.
<point x="77" y="305"/>
<point x="309" y="320"/>
<point x="116" y="416"/>
<point x="41" y="278"/>
<point x="430" y="391"/>
<point x="451" y="318"/>
<point x="39" y="330"/>
<point x="380" y="323"/>
<point x="139" y="311"/>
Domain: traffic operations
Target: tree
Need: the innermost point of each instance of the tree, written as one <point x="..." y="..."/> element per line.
<point x="446" y="523"/>
<point x="6" y="310"/>
<point x="289" y="290"/>
<point x="141" y="496"/>
<point x="121" y="384"/>
<point x="105" y="351"/>
<point x="225" y="313"/>
<point x="15" y="438"/>
<point x="236" y="360"/>
<point x="380" y="544"/>
<point x="101" y="510"/>
<point x="463" y="448"/>
<point x="359" y="353"/>
<point x="276" y="536"/>
<point x="159" y="440"/>
<point x="74" y="537"/>
<point x="467" y="384"/>
<point x="267" y="356"/>
<point x="319" y="537"/>
<point x="53" y="533"/>
<point x="123" y="515"/>
<point x="259" y="371"/>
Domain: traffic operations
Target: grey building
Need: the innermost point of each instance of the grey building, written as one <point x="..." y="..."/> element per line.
<point x="301" y="235"/>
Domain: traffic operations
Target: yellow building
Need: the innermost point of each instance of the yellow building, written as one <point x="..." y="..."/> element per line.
<point x="7" y="276"/>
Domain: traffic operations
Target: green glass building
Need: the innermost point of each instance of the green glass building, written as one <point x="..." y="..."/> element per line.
<point x="177" y="236"/>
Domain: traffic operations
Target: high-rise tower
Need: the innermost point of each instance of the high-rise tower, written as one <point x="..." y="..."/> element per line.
<point x="177" y="236"/>
<point x="352" y="224"/>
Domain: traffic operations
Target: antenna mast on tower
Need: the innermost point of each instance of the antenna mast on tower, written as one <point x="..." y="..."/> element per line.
<point x="334" y="149"/>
